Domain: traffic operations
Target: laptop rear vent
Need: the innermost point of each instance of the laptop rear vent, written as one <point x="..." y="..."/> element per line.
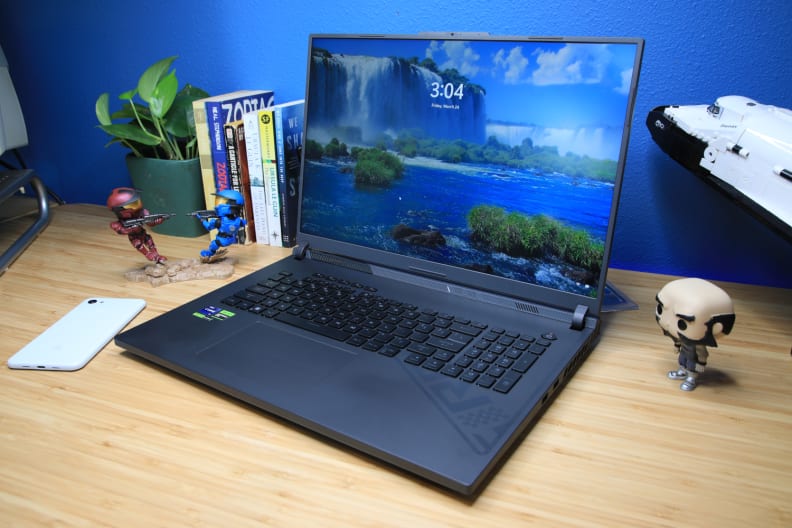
<point x="524" y="307"/>
<point x="340" y="261"/>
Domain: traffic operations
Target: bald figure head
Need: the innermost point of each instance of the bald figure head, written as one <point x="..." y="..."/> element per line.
<point x="694" y="311"/>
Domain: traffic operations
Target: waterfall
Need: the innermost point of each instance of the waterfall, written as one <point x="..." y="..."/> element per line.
<point x="359" y="98"/>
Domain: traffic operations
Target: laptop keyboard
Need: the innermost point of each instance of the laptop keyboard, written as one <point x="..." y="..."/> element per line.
<point x="489" y="357"/>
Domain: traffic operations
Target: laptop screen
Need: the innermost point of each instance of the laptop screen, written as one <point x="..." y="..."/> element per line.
<point x="482" y="159"/>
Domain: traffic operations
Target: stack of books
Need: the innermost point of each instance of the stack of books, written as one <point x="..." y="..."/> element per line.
<point x="248" y="143"/>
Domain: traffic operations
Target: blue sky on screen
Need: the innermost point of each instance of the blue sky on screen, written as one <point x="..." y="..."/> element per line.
<point x="550" y="84"/>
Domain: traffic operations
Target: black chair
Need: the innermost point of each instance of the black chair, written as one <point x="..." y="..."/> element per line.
<point x="13" y="135"/>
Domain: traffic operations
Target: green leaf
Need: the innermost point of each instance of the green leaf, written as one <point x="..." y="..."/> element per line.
<point x="161" y="124"/>
<point x="163" y="95"/>
<point x="129" y="94"/>
<point x="112" y="141"/>
<point x="179" y="121"/>
<point x="147" y="84"/>
<point x="103" y="109"/>
<point x="126" y="112"/>
<point x="132" y="133"/>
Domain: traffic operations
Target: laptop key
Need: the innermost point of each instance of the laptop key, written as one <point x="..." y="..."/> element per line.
<point x="452" y="370"/>
<point x="495" y="371"/>
<point x="463" y="361"/>
<point x="506" y="382"/>
<point x="357" y="340"/>
<point x="443" y="355"/>
<point x="486" y="381"/>
<point x="367" y="332"/>
<point x="441" y="332"/>
<point x="433" y="364"/>
<point x="415" y="359"/>
<point x="390" y="350"/>
<point x="480" y="366"/>
<point x="382" y="338"/>
<point x="400" y="342"/>
<point x="522" y="365"/>
<point x="465" y="329"/>
<point x="373" y="346"/>
<point x="421" y="349"/>
<point x="470" y="376"/>
<point x="536" y="349"/>
<point x="504" y="362"/>
<point x="446" y="344"/>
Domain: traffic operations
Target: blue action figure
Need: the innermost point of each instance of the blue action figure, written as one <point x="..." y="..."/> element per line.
<point x="693" y="312"/>
<point x="227" y="219"/>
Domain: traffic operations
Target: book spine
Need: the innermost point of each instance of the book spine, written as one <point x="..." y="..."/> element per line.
<point x="258" y="200"/>
<point x="217" y="149"/>
<point x="269" y="167"/>
<point x="204" y="154"/>
<point x="232" y="154"/>
<point x="244" y="176"/>
<point x="280" y="152"/>
<point x="290" y="139"/>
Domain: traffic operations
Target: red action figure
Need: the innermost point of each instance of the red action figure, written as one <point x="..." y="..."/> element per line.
<point x="128" y="208"/>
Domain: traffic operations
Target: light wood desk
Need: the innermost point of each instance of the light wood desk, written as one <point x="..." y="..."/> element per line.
<point x="122" y="443"/>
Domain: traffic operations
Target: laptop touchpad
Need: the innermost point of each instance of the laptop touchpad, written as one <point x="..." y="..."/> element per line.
<point x="264" y="356"/>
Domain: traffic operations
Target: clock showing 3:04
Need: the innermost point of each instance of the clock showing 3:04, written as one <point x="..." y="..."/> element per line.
<point x="446" y="90"/>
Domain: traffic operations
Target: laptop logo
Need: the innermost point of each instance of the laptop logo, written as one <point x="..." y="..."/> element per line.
<point x="213" y="313"/>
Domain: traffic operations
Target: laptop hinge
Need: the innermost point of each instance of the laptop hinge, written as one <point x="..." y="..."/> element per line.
<point x="299" y="252"/>
<point x="579" y="317"/>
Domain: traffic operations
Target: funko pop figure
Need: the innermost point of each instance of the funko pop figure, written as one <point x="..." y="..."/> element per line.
<point x="693" y="312"/>
<point x="132" y="217"/>
<point x="226" y="218"/>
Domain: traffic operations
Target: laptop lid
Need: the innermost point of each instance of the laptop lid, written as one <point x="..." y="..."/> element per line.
<point x="491" y="162"/>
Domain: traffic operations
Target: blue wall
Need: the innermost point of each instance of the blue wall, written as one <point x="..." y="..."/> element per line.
<point x="63" y="54"/>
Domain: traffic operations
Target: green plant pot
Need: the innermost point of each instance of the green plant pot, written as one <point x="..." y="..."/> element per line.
<point x="170" y="186"/>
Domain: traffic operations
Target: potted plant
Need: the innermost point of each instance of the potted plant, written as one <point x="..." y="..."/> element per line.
<point x="155" y="122"/>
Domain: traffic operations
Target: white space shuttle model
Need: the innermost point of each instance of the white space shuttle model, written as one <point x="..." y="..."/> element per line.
<point x="741" y="146"/>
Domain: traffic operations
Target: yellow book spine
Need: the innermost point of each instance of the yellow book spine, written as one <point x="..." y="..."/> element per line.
<point x="270" y="174"/>
<point x="204" y="153"/>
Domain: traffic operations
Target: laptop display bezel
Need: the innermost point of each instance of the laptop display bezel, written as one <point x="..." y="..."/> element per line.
<point x="524" y="291"/>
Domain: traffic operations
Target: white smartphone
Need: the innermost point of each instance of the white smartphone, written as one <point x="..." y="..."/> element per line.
<point x="78" y="336"/>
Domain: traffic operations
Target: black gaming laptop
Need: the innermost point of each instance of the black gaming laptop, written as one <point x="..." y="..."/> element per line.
<point x="458" y="200"/>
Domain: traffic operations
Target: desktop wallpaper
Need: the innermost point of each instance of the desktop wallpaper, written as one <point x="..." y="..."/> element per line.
<point x="497" y="156"/>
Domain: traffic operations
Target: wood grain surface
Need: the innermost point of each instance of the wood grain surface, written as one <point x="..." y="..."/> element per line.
<point x="124" y="443"/>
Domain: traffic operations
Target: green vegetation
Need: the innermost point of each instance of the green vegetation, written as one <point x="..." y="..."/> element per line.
<point x="313" y="150"/>
<point x="334" y="149"/>
<point x="373" y="166"/>
<point x="376" y="167"/>
<point x="414" y="143"/>
<point x="537" y="236"/>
